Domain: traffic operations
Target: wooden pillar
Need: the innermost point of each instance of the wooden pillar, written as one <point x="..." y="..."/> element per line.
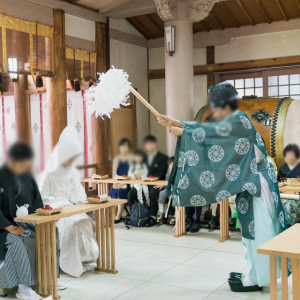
<point x="210" y="59"/>
<point x="56" y="86"/>
<point x="100" y="128"/>
<point x="22" y="110"/>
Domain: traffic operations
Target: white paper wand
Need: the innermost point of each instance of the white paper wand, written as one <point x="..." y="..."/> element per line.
<point x="111" y="92"/>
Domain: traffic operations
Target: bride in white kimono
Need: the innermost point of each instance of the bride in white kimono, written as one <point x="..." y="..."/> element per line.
<point x="60" y="186"/>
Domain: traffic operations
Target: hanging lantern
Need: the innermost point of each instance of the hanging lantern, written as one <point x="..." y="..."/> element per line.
<point x="76" y="84"/>
<point x="91" y="82"/>
<point x="39" y="80"/>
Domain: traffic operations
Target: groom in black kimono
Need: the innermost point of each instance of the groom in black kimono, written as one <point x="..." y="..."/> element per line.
<point x="17" y="243"/>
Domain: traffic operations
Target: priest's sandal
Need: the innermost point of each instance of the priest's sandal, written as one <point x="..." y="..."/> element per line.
<point x="235" y="275"/>
<point x="236" y="285"/>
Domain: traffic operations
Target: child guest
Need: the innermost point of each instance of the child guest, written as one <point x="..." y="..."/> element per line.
<point x="138" y="169"/>
<point x="163" y="193"/>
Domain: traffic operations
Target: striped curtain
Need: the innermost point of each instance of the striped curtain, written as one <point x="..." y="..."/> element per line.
<point x="7" y="125"/>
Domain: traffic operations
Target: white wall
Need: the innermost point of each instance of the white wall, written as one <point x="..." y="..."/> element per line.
<point x="157" y="89"/>
<point x="267" y="42"/>
<point x="133" y="59"/>
<point x="286" y="43"/>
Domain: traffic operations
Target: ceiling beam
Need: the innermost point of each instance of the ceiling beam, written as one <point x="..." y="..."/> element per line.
<point x="263" y="11"/>
<point x="298" y="4"/>
<point x="132" y="9"/>
<point x="205" y="26"/>
<point x="157" y="25"/>
<point x="140" y="27"/>
<point x="246" y="13"/>
<point x="71" y="9"/>
<point x="281" y="10"/>
<point x="105" y="6"/>
<point x="225" y="7"/>
<point x="216" y="20"/>
<point x="259" y="64"/>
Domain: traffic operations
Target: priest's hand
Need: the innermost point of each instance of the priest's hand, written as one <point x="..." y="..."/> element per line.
<point x="17" y="230"/>
<point x="176" y="131"/>
<point x="167" y="121"/>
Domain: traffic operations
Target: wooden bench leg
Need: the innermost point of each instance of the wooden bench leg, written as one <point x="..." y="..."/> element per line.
<point x="273" y="278"/>
<point x="180" y="221"/>
<point x="296" y="278"/>
<point x="54" y="261"/>
<point x="224" y="220"/>
<point x="284" y="279"/>
<point x="38" y="258"/>
<point x="106" y="223"/>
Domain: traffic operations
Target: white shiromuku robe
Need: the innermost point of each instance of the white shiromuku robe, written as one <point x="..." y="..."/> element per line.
<point x="61" y="186"/>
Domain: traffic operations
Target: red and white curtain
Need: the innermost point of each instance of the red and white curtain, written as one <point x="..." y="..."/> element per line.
<point x="8" y="133"/>
<point x="77" y="117"/>
<point x="39" y="130"/>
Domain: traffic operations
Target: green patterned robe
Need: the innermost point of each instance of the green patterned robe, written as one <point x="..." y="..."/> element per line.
<point x="214" y="161"/>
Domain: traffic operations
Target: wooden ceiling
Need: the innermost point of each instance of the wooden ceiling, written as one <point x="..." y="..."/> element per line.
<point x="226" y="14"/>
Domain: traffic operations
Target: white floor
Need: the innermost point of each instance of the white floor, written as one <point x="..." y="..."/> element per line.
<point x="153" y="264"/>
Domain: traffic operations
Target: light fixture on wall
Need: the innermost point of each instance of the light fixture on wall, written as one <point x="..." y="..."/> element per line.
<point x="170" y="39"/>
<point x="13" y="68"/>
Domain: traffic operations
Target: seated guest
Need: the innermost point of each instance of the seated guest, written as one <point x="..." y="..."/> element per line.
<point x="163" y="194"/>
<point x="291" y="169"/>
<point x="17" y="243"/>
<point x="137" y="170"/>
<point x="61" y="186"/>
<point x="157" y="164"/>
<point x="120" y="167"/>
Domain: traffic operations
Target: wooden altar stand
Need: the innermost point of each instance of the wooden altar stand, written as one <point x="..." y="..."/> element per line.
<point x="45" y="239"/>
<point x="103" y="188"/>
<point x="285" y="245"/>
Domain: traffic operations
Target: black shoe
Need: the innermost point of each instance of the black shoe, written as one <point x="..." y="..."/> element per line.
<point x="236" y="285"/>
<point x="232" y="222"/>
<point x="151" y="222"/>
<point x="195" y="228"/>
<point x="118" y="221"/>
<point x="189" y="225"/>
<point x="235" y="275"/>
<point x="213" y="222"/>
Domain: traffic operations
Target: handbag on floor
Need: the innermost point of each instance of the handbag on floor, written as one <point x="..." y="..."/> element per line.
<point x="139" y="214"/>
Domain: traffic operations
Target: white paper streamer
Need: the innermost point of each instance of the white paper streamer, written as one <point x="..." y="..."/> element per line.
<point x="110" y="93"/>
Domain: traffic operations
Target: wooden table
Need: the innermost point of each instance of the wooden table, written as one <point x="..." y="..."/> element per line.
<point x="289" y="189"/>
<point x="285" y="245"/>
<point x="103" y="188"/>
<point x="45" y="239"/>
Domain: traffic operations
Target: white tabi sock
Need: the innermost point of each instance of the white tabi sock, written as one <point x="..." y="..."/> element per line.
<point x="247" y="281"/>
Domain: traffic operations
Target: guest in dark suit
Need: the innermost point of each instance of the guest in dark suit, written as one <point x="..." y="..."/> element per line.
<point x="157" y="164"/>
